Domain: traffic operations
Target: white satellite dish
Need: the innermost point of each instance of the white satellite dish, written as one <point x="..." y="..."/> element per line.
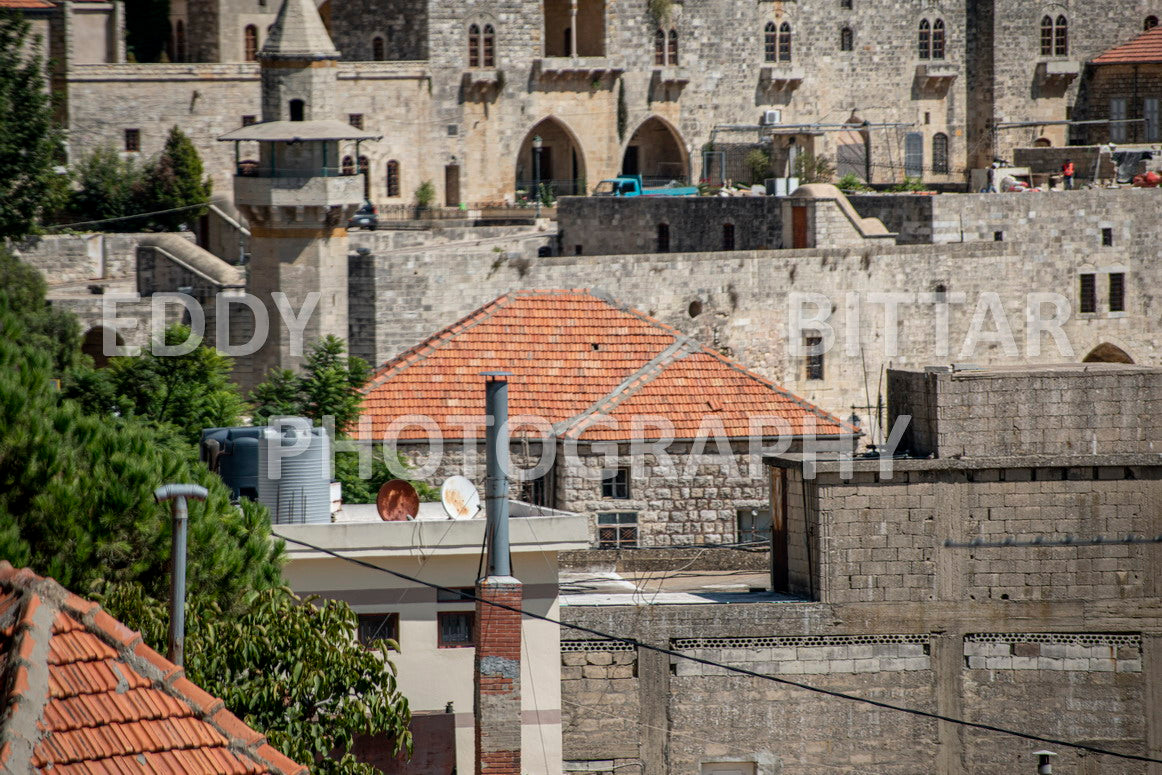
<point x="460" y="498"/>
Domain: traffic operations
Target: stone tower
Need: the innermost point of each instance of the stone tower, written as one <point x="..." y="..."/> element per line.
<point x="297" y="196"/>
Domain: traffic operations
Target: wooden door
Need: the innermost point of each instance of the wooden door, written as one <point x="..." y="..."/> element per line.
<point x="452" y="185"/>
<point x="799" y="227"/>
<point x="780" y="568"/>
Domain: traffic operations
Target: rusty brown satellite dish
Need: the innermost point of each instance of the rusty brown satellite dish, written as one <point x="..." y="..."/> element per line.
<point x="397" y="501"/>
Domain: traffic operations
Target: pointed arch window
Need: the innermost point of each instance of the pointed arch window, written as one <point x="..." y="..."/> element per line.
<point x="250" y="43"/>
<point x="348" y="165"/>
<point x="938" y="39"/>
<point x="1061" y="37"/>
<point x="924" y="43"/>
<point x="393" y="178"/>
<point x="673" y="50"/>
<point x="488" y="52"/>
<point x="940" y="153"/>
<point x="785" y="42"/>
<point x="660" y="47"/>
<point x="1047" y="36"/>
<point x="846" y="39"/>
<point x="474" y="45"/>
<point x="770" y="42"/>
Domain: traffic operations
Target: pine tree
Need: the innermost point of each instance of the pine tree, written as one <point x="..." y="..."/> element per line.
<point x="30" y="143"/>
<point x="176" y="180"/>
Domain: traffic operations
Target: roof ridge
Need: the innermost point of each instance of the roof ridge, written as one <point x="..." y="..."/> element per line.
<point x="27" y="688"/>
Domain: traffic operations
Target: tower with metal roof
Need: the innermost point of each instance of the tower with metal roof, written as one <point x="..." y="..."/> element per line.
<point x="297" y="195"/>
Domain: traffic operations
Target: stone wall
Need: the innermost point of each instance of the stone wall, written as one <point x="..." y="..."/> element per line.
<point x="75" y="259"/>
<point x="882" y="538"/>
<point x="1050" y="161"/>
<point x="1094" y="409"/>
<point x="600" y="226"/>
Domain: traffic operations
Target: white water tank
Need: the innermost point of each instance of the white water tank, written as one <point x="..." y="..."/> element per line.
<point x="296" y="486"/>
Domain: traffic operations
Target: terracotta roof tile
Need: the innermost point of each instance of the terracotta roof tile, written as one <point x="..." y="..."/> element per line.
<point x="1143" y="49"/>
<point x="100" y="701"/>
<point x="25" y="5"/>
<point x="584" y="365"/>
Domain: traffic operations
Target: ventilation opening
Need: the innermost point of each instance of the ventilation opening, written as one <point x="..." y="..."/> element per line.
<point x="695" y="308"/>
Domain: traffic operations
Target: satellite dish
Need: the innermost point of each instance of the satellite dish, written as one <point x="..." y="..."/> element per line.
<point x="397" y="501"/>
<point x="460" y="498"/>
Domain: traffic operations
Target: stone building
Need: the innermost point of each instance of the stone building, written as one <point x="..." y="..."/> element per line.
<point x="655" y="437"/>
<point x="1125" y="84"/>
<point x="460" y="92"/>
<point x="1026" y="638"/>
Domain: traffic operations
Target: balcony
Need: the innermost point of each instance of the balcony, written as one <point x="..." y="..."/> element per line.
<point x="481" y="81"/>
<point x="1059" y="71"/>
<point x="298" y="188"/>
<point x="782" y="76"/>
<point x="575" y="68"/>
<point x="670" y="76"/>
<point x="933" y="74"/>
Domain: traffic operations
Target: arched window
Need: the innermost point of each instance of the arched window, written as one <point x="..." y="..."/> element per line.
<point x="938" y="39"/>
<point x="393" y="178"/>
<point x="488" y="56"/>
<point x="673" y="47"/>
<point x="348" y="165"/>
<point x="846" y="39"/>
<point x="663" y="238"/>
<point x="770" y="42"/>
<point x="1047" y="36"/>
<point x="250" y="43"/>
<point x="364" y="166"/>
<point x="474" y="45"/>
<point x="1061" y="37"/>
<point x="924" y="43"/>
<point x="297" y="108"/>
<point x="785" y="42"/>
<point x="180" y="41"/>
<point x="660" y="47"/>
<point x="378" y="53"/>
<point x="1150" y="23"/>
<point x="940" y="153"/>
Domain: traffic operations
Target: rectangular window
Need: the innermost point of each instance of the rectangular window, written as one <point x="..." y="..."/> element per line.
<point x="132" y="140"/>
<point x="248" y="120"/>
<point x="456" y="595"/>
<point x="814" y="345"/>
<point x="754" y="524"/>
<point x="1087" y="302"/>
<point x="616" y="530"/>
<point x="615" y="483"/>
<point x="455" y="628"/>
<point x="373" y="627"/>
<point x="914" y="155"/>
<point x="728" y="236"/>
<point x="1117" y="292"/>
<point x="1117" y="114"/>
<point x="1153" y="126"/>
<point x="1107" y="237"/>
<point x="355" y="120"/>
<point x="536" y="491"/>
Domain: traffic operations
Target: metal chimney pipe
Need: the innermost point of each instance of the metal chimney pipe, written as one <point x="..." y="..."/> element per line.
<point x="496" y="481"/>
<point x="177" y="590"/>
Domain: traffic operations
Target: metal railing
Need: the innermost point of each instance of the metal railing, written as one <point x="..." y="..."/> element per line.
<point x="470" y="211"/>
<point x="254" y="170"/>
<point x="549" y="190"/>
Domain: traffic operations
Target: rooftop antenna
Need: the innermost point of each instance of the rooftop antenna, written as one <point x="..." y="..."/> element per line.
<point x="177" y="589"/>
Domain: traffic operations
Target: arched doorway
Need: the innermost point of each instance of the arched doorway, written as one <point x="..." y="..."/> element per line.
<point x="93" y="345"/>
<point x="550" y="160"/>
<point x="656" y="152"/>
<point x="1107" y="353"/>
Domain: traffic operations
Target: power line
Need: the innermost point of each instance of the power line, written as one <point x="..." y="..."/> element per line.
<point x="730" y="668"/>
<point x="128" y="217"/>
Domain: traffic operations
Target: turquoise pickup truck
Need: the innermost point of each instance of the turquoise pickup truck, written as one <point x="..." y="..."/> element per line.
<point x="631" y="185"/>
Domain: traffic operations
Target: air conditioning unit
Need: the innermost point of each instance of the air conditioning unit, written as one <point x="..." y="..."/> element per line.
<point x="774" y="116"/>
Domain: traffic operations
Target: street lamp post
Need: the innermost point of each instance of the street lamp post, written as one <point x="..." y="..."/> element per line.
<point x="537" y="144"/>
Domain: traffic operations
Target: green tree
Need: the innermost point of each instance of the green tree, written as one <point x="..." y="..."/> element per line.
<point x="176" y="179"/>
<point x="758" y="161"/>
<point x="810" y="168"/>
<point x="30" y="142"/>
<point x="50" y="330"/>
<point x="305" y="682"/>
<point x="109" y="186"/>
<point x="190" y="392"/>
<point x="330" y="385"/>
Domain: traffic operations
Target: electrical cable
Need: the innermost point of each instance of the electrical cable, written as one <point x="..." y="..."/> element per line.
<point x="730" y="668"/>
<point x="128" y="217"/>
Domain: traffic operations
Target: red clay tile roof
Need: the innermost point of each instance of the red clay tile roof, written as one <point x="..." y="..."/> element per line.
<point x="1145" y="48"/>
<point x="83" y="695"/>
<point x="25" y="5"/>
<point x="593" y="370"/>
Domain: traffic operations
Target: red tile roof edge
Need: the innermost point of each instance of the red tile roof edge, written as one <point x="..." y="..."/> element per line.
<point x="164" y="674"/>
<point x="1145" y="48"/>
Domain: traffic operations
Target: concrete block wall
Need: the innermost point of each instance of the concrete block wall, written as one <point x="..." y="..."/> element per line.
<point x="1089" y="409"/>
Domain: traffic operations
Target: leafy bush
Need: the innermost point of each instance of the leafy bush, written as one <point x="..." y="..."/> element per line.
<point x="810" y="168"/>
<point x="425" y="194"/>
<point x="852" y="183"/>
<point x="758" y="161"/>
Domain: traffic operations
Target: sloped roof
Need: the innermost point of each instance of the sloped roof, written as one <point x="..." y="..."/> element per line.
<point x="298" y="33"/>
<point x="83" y="694"/>
<point x="26" y="5"/>
<point x="1143" y="49"/>
<point x="592" y="369"/>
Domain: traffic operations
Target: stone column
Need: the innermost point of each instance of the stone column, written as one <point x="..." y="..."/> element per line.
<point x="497" y="676"/>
